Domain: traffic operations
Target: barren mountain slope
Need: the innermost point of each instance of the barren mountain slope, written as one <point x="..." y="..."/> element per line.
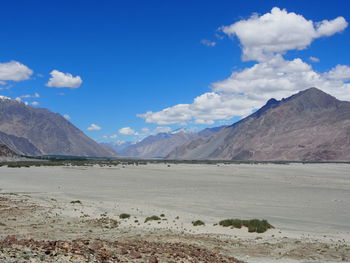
<point x="49" y="132"/>
<point x="310" y="125"/>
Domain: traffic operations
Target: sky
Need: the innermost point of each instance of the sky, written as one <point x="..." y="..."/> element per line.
<point x="121" y="70"/>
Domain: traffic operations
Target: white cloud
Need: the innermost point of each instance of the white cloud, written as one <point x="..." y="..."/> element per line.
<point x="330" y="27"/>
<point x="94" y="127"/>
<point x="66" y="116"/>
<point x="314" y="59"/>
<point x="208" y="43"/>
<point x="29" y="96"/>
<point x="164" y="129"/>
<point x="250" y="88"/>
<point x="34" y="103"/>
<point x="63" y="80"/>
<point x="127" y="131"/>
<point x="279" y="31"/>
<point x="14" y="71"/>
<point x="275" y="77"/>
<point x="160" y="129"/>
<point x="113" y="136"/>
<point x="340" y="72"/>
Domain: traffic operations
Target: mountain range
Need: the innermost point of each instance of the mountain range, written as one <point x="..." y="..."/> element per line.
<point x="36" y="131"/>
<point x="161" y="144"/>
<point x="310" y="125"/>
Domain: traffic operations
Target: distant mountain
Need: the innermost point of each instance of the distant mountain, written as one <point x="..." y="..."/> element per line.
<point x="161" y="144"/>
<point x="37" y="131"/>
<point x="310" y="125"/>
<point x="117" y="146"/>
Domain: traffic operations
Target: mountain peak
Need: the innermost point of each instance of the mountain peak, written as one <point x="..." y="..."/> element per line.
<point x="312" y="98"/>
<point x="35" y="131"/>
<point x="310" y="125"/>
<point x="312" y="92"/>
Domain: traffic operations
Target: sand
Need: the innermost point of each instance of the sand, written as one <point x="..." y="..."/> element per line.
<point x="309" y="204"/>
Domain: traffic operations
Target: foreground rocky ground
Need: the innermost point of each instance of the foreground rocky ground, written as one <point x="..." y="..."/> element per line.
<point x="37" y="230"/>
<point x="97" y="250"/>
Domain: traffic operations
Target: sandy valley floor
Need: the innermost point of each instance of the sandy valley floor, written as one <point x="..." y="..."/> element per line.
<point x="309" y="205"/>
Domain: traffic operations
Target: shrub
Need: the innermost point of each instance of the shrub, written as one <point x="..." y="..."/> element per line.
<point x="152" y="218"/>
<point x="198" y="223"/>
<point x="124" y="216"/>
<point x="253" y="225"/>
<point x="236" y="223"/>
<point x="75" y="202"/>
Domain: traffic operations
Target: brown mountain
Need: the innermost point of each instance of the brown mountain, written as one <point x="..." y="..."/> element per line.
<point x="36" y="131"/>
<point x="161" y="144"/>
<point x="6" y="152"/>
<point x="310" y="125"/>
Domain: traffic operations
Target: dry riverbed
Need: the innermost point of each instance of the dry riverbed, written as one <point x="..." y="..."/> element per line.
<point x="62" y="224"/>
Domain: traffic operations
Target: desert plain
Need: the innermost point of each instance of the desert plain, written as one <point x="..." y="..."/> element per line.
<point x="72" y="213"/>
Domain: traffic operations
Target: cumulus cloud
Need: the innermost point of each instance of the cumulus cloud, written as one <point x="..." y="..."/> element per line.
<point x="34" y="103"/>
<point x="272" y="77"/>
<point x="340" y="72"/>
<point x="330" y="27"/>
<point x="208" y="43"/>
<point x="250" y="88"/>
<point x="30" y="96"/>
<point x="127" y="131"/>
<point x="314" y="59"/>
<point x="14" y="71"/>
<point x="282" y="31"/>
<point x="113" y="136"/>
<point x="160" y="129"/>
<point x="63" y="80"/>
<point x="94" y="127"/>
<point x="66" y="116"/>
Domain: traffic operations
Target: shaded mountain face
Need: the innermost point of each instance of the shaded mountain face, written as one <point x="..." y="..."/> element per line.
<point x="6" y="152"/>
<point x="35" y="131"/>
<point x="161" y="144"/>
<point x="310" y="125"/>
<point x="19" y="145"/>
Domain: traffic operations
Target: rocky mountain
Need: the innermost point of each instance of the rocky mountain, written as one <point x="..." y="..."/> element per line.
<point x="19" y="145"/>
<point x="310" y="125"/>
<point x="37" y="131"/>
<point x="6" y="152"/>
<point x="161" y="144"/>
<point x="117" y="146"/>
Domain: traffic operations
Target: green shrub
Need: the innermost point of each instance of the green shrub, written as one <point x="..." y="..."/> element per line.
<point x="198" y="223"/>
<point x="236" y="223"/>
<point x="253" y="225"/>
<point x="152" y="218"/>
<point x="75" y="202"/>
<point x="124" y="216"/>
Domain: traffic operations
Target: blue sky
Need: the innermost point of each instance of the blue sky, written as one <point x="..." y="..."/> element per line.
<point x="135" y="57"/>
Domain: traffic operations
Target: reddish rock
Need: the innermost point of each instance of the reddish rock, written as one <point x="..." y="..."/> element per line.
<point x="153" y="260"/>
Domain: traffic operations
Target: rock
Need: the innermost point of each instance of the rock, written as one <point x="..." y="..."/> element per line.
<point x="153" y="259"/>
<point x="135" y="254"/>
